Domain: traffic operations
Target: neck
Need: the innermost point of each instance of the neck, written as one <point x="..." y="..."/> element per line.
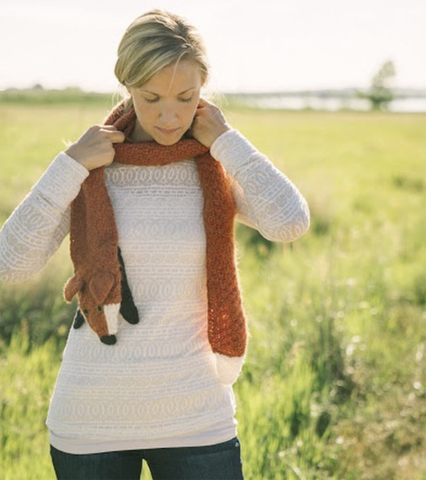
<point x="138" y="134"/>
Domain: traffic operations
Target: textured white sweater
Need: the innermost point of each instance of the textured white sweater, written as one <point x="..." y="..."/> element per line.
<point x="156" y="387"/>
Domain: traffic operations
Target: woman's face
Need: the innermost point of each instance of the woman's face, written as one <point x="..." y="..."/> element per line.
<point x="165" y="105"/>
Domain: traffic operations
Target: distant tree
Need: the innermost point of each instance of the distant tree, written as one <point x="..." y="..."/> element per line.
<point x="380" y="93"/>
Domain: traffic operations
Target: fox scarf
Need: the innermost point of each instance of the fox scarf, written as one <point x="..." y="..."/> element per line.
<point x="99" y="272"/>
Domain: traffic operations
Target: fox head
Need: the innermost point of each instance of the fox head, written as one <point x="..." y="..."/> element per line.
<point x="98" y="302"/>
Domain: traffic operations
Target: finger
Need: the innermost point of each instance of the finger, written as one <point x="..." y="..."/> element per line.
<point x="204" y="102"/>
<point x="117" y="136"/>
<point x="109" y="127"/>
<point x="104" y="128"/>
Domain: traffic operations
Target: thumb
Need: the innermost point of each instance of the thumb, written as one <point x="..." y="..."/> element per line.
<point x="116" y="136"/>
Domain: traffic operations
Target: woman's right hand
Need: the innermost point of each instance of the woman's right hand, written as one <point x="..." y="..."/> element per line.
<point x="94" y="148"/>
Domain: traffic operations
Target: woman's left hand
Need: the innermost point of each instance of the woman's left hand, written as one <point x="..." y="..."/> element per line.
<point x="209" y="123"/>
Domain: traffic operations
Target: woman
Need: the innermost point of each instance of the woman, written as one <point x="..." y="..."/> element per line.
<point x="151" y="388"/>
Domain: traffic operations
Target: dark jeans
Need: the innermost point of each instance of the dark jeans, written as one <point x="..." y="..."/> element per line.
<point x="213" y="462"/>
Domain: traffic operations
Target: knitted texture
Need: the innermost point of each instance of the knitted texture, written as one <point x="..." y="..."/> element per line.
<point x="95" y="244"/>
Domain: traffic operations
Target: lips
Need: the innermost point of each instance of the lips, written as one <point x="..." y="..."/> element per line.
<point x="167" y="131"/>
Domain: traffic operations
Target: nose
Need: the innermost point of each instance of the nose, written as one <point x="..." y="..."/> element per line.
<point x="168" y="116"/>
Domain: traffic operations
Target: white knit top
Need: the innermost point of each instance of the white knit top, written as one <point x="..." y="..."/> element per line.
<point x="157" y="386"/>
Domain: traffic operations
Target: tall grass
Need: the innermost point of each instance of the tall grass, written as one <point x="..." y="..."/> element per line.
<point x="334" y="386"/>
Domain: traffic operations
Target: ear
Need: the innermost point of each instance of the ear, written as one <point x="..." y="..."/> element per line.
<point x="100" y="285"/>
<point x="73" y="286"/>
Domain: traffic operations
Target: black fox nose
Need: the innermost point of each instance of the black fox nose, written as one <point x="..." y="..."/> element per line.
<point x="109" y="339"/>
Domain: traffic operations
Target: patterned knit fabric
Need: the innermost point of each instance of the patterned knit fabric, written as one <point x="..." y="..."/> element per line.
<point x="158" y="386"/>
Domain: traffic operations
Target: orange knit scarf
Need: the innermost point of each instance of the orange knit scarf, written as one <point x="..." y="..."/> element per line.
<point x="99" y="276"/>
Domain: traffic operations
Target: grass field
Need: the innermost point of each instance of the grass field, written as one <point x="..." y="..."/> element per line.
<point x="334" y="386"/>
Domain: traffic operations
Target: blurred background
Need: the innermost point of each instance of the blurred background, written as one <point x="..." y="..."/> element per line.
<point x="334" y="93"/>
<point x="309" y="54"/>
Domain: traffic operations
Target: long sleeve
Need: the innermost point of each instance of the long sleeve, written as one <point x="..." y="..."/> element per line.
<point x="265" y="198"/>
<point x="38" y="225"/>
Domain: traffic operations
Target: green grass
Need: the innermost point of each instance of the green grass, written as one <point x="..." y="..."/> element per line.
<point x="334" y="386"/>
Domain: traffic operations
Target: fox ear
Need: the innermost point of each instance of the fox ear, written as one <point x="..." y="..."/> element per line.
<point x="100" y="285"/>
<point x="73" y="286"/>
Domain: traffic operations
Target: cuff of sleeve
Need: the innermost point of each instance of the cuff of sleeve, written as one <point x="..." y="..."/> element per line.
<point x="232" y="150"/>
<point x="62" y="180"/>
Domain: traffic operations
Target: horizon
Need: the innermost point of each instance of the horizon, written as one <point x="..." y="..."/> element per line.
<point x="353" y="89"/>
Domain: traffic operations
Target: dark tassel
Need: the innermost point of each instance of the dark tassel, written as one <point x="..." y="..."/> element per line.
<point x="78" y="319"/>
<point x="128" y="308"/>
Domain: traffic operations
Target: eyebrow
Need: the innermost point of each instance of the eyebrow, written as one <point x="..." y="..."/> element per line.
<point x="181" y="93"/>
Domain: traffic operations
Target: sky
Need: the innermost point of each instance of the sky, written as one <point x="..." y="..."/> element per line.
<point x="253" y="45"/>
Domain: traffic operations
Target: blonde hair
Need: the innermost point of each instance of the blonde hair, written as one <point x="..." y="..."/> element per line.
<point x="153" y="41"/>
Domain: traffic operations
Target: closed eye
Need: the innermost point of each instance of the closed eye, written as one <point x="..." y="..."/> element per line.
<point x="154" y="100"/>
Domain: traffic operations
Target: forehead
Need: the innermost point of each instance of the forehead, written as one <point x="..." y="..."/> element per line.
<point x="175" y="78"/>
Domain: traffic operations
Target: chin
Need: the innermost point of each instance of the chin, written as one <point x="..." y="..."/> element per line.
<point x="168" y="140"/>
<point x="167" y="143"/>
